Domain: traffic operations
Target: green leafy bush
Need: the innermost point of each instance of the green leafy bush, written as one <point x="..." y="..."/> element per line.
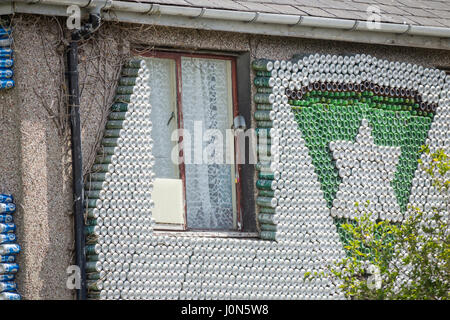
<point x="410" y="260"/>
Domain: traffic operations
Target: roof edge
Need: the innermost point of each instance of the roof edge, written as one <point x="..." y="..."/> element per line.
<point x="247" y="22"/>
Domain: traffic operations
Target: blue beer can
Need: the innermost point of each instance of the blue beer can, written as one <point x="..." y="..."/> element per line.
<point x="9" y="248"/>
<point x="5" y="218"/>
<point x="7" y="227"/>
<point x="6" y="84"/>
<point x="7" y="238"/>
<point x="5" y="32"/>
<point x="6" y="63"/>
<point x="7" y="277"/>
<point x="7" y="259"/>
<point x="6" y="73"/>
<point x="9" y="267"/>
<point x="8" y="286"/>
<point x="6" y="52"/>
<point x="10" y="296"/>
<point x="7" y="207"/>
<point x="6" y="198"/>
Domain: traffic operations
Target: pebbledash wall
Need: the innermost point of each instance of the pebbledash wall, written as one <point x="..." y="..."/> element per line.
<point x="182" y="267"/>
<point x="32" y="166"/>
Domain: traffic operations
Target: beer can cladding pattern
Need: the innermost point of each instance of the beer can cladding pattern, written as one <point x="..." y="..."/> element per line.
<point x="6" y="198"/>
<point x="5" y="218"/>
<point x="359" y="122"/>
<point x="8" y="249"/>
<point x="6" y="59"/>
<point x="7" y="208"/>
<point x="331" y="130"/>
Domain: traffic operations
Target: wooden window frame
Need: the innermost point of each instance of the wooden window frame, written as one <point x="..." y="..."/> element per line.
<point x="176" y="56"/>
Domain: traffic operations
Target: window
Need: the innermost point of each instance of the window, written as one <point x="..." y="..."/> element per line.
<point x="196" y="93"/>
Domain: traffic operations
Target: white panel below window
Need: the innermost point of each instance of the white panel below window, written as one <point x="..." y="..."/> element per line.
<point x="169" y="205"/>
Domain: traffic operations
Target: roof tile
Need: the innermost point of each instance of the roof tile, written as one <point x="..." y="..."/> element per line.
<point x="443" y="14"/>
<point x="389" y="9"/>
<point x="426" y="21"/>
<point x="440" y="5"/>
<point x="393" y="18"/>
<point x="428" y="4"/>
<point x="385" y="2"/>
<point x="310" y="3"/>
<point x="336" y="5"/>
<point x="445" y="22"/>
<point x="419" y="12"/>
<point x="358" y="6"/>
<point x="170" y="2"/>
<point x="217" y="4"/>
<point x="258" y="7"/>
<point x="266" y="1"/>
<point x="291" y="2"/>
<point x="316" y="12"/>
<point x="348" y="14"/>
<point x="410" y="3"/>
<point x="286" y="8"/>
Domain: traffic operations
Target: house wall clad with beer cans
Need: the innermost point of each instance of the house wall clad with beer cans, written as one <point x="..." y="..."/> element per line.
<point x="6" y="57"/>
<point x="36" y="169"/>
<point x="334" y="131"/>
<point x="9" y="249"/>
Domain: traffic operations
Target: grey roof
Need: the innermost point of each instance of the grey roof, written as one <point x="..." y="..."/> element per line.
<point x="434" y="13"/>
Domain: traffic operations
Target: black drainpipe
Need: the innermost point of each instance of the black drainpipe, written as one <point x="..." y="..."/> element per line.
<point x="77" y="160"/>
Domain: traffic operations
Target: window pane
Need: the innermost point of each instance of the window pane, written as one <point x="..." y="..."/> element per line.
<point x="206" y="99"/>
<point x="163" y="102"/>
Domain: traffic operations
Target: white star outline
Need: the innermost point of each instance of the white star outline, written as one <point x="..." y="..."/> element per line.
<point x="366" y="170"/>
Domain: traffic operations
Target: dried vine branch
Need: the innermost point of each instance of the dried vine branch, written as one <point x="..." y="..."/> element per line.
<point x="100" y="66"/>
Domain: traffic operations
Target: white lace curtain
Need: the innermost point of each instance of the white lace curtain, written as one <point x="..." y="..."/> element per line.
<point x="163" y="102"/>
<point x="206" y="98"/>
